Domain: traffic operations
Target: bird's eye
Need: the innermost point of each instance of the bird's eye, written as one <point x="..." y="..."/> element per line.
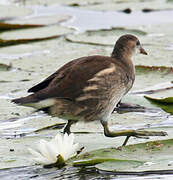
<point x="137" y="43"/>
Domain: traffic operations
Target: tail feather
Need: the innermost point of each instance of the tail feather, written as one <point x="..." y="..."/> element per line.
<point x="32" y="101"/>
<point x="25" y="100"/>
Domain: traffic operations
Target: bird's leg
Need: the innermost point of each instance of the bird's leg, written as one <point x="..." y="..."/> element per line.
<point x="129" y="133"/>
<point x="67" y="127"/>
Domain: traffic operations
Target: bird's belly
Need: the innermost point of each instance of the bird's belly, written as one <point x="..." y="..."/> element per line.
<point x="66" y="109"/>
<point x="111" y="104"/>
<point x="88" y="109"/>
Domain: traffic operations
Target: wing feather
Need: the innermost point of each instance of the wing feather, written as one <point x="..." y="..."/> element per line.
<point x="74" y="78"/>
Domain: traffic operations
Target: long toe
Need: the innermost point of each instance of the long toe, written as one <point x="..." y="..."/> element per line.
<point x="140" y="133"/>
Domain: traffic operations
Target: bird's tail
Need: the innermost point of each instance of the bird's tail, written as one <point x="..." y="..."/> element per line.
<point x="32" y="101"/>
<point x="25" y="100"/>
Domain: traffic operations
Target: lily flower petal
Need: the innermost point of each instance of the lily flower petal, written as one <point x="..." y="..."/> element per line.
<point x="44" y="149"/>
<point x="59" y="146"/>
<point x="38" y="157"/>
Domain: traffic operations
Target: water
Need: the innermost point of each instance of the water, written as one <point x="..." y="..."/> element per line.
<point x="87" y="173"/>
<point x="83" y="20"/>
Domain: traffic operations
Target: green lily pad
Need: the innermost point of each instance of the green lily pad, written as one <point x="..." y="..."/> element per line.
<point x="150" y="78"/>
<point x="155" y="155"/>
<point x="155" y="82"/>
<point x="103" y="36"/>
<point x="119" y="165"/>
<point x="103" y="5"/>
<point x="7" y="26"/>
<point x="120" y="5"/>
<point x="4" y="43"/>
<point x="168" y="100"/>
<point x="41" y="32"/>
<point x="8" y="11"/>
<point x="111" y="164"/>
<point x="4" y="67"/>
<point x="31" y="35"/>
<point x="42" y="20"/>
<point x="158" y="44"/>
<point x="166" y="103"/>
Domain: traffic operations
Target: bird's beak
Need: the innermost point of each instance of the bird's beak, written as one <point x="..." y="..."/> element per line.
<point x="142" y="50"/>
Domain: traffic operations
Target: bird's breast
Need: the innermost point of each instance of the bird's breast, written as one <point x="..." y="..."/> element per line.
<point x="103" y="91"/>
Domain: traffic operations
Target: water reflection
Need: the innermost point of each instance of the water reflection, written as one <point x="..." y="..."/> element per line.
<point x="83" y="173"/>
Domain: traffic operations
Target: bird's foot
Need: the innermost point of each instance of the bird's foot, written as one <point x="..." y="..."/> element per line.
<point x="129" y="133"/>
<point x="144" y="134"/>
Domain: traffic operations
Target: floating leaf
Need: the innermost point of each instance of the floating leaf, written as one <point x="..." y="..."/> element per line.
<point x="104" y="37"/>
<point x="7" y="26"/>
<point x="141" y="68"/>
<point x="103" y="161"/>
<point x="154" y="81"/>
<point x="119" y="5"/>
<point x="42" y="20"/>
<point x="103" y="5"/>
<point x="151" y="78"/>
<point x="40" y="32"/>
<point x="155" y="155"/>
<point x="4" y="43"/>
<point x="165" y="103"/>
<point x="4" y="67"/>
<point x="119" y="165"/>
<point x="8" y="11"/>
<point x="54" y="126"/>
<point x="168" y="100"/>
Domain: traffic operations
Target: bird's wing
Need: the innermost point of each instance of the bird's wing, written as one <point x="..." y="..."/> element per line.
<point x="69" y="81"/>
<point x="58" y="75"/>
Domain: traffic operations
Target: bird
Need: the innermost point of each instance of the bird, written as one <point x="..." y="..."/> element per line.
<point x="89" y="88"/>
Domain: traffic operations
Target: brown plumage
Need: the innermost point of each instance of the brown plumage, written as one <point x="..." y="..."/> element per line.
<point x="87" y="88"/>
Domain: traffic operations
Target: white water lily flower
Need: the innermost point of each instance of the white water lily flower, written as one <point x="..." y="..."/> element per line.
<point x="48" y="151"/>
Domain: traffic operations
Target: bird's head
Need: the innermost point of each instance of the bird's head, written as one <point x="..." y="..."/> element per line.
<point x="127" y="45"/>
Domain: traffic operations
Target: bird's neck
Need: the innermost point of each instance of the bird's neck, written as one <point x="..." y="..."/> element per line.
<point x="124" y="58"/>
<point x="121" y="53"/>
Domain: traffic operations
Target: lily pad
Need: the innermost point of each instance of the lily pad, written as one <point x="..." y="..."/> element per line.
<point x="152" y="78"/>
<point x="156" y="83"/>
<point x="8" y="11"/>
<point x="119" y="165"/>
<point x="123" y="4"/>
<point x="38" y="34"/>
<point x="168" y="100"/>
<point x="155" y="155"/>
<point x="4" y="67"/>
<point x="7" y="26"/>
<point x="102" y="5"/>
<point x="43" y="20"/>
<point x="162" y="100"/>
<point x="42" y="32"/>
<point x="4" y="43"/>
<point x="103" y="36"/>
